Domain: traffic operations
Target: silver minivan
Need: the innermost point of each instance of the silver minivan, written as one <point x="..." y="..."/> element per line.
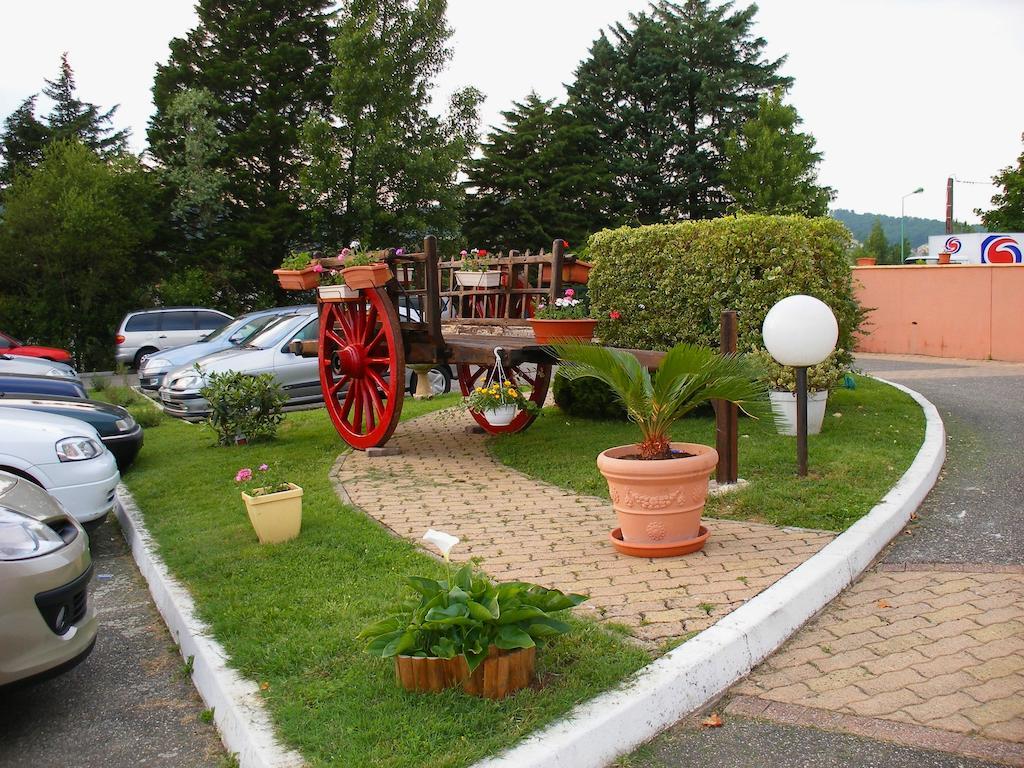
<point x="147" y="331"/>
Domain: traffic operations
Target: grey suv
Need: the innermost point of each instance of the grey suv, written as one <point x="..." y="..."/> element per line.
<point x="147" y="331"/>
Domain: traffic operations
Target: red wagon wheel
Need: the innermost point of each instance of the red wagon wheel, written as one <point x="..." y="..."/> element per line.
<point x="536" y="384"/>
<point x="362" y="367"/>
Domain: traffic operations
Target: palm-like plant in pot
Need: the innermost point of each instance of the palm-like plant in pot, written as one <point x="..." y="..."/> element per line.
<point x="658" y="487"/>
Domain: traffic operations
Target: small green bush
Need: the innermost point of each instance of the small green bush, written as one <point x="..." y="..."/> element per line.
<point x="820" y="378"/>
<point x="123" y="396"/>
<point x="670" y="282"/>
<point x="100" y="383"/>
<point x="146" y="415"/>
<point x="588" y="399"/>
<point x="242" y="405"/>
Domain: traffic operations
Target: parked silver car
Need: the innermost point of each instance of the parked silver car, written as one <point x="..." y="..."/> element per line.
<point x="268" y="352"/>
<point x="147" y="331"/>
<point x="36" y="366"/>
<point x="230" y="335"/>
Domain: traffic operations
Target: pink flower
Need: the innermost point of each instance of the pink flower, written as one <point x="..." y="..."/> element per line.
<point x="463" y="253"/>
<point x="264" y="467"/>
<point x="345" y="253"/>
<point x="318" y="267"/>
<point x="399" y="251"/>
<point x="615" y="314"/>
<point x="243" y="475"/>
<point x="569" y="293"/>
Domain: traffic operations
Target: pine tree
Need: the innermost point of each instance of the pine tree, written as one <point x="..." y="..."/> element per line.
<point x="1007" y="214"/>
<point x="663" y="94"/>
<point x="22" y="141"/>
<point x="877" y="245"/>
<point x="74" y="119"/>
<point x="265" y="65"/>
<point x="771" y="167"/>
<point x="382" y="168"/>
<point x="531" y="183"/>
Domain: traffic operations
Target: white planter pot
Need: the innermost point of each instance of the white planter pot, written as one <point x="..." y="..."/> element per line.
<point x="501" y="417"/>
<point x="489" y="279"/>
<point x="337" y="292"/>
<point x="784" y="406"/>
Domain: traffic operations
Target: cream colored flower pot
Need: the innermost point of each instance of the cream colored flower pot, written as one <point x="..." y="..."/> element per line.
<point x="784" y="406"/>
<point x="275" y="517"/>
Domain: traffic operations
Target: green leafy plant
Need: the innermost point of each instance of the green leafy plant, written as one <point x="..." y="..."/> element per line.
<point x="263" y="481"/>
<point x="466" y="614"/>
<point x="123" y="396"/>
<point x="568" y="307"/>
<point x="146" y="415"/>
<point x="100" y="383"/>
<point x="822" y="377"/>
<point x="588" y="399"/>
<point x="472" y="261"/>
<point x="243" y="406"/>
<point x="496" y="395"/>
<point x="297" y="260"/>
<point x="687" y="377"/>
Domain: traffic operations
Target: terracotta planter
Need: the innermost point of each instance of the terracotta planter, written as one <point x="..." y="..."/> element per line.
<point x="866" y="261"/>
<point x="297" y="279"/>
<point x="275" y="517"/>
<point x="546" y="331"/>
<point x="575" y="272"/>
<point x="658" y="503"/>
<point x="784" y="407"/>
<point x="501" y="674"/>
<point x="944" y="257"/>
<point x="501" y="417"/>
<point x="489" y="279"/>
<point x="329" y="293"/>
<point x="369" y="276"/>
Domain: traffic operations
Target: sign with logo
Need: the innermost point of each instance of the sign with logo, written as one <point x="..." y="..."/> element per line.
<point x="978" y="248"/>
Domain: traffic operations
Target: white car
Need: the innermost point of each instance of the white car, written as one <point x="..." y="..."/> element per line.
<point x="36" y="366"/>
<point x="65" y="456"/>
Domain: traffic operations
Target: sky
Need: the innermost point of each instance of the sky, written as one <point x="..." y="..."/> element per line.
<point x="899" y="94"/>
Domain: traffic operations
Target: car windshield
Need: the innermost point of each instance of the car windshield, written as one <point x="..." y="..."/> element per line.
<point x="238" y="330"/>
<point x="274" y="332"/>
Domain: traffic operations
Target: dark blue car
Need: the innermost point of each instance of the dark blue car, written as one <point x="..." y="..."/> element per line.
<point x="15" y="383"/>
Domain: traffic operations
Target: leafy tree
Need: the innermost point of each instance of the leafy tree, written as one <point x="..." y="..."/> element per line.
<point x="662" y="95"/>
<point x="877" y="245"/>
<point x="1007" y="214"/>
<point x="230" y="103"/>
<point x="771" y="167"/>
<point x="530" y="181"/>
<point x="382" y="168"/>
<point x="77" y="249"/>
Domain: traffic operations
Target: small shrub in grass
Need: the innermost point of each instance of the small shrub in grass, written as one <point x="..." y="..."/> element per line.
<point x="100" y="383"/>
<point x="146" y="415"/>
<point x="123" y="396"/>
<point x="243" y="406"/>
<point x="588" y="399"/>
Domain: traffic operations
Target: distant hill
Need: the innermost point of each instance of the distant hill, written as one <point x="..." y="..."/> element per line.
<point x="916" y="230"/>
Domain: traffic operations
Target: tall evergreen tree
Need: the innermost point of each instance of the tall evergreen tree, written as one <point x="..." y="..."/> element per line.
<point x="770" y="167"/>
<point x="877" y="244"/>
<point x="531" y="183"/>
<point x="663" y="94"/>
<point x="22" y="141"/>
<point x="265" y="65"/>
<point x="382" y="168"/>
<point x="1007" y="214"/>
<point x="74" y="119"/>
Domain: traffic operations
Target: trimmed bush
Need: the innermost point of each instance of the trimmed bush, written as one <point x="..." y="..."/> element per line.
<point x="588" y="399"/>
<point x="670" y="282"/>
<point x="244" y="406"/>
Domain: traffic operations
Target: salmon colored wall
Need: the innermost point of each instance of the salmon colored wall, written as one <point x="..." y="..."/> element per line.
<point x="971" y="311"/>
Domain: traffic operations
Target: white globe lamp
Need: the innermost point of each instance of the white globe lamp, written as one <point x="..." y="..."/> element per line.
<point x="800" y="331"/>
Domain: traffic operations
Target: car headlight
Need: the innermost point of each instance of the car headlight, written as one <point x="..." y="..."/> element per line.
<point x="22" y="537"/>
<point x="78" y="449"/>
<point x="188" y="381"/>
<point x="67" y="373"/>
<point x="125" y="424"/>
<point x="154" y="365"/>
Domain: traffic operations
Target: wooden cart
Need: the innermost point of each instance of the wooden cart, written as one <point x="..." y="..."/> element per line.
<point x="424" y="316"/>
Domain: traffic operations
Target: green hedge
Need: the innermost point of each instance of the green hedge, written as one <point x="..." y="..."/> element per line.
<point x="670" y="282"/>
<point x="588" y="399"/>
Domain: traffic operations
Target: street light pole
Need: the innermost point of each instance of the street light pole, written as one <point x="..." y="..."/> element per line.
<point x="903" y="202"/>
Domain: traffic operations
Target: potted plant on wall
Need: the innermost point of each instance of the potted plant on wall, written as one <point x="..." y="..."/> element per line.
<point x="567" y="317"/>
<point x="658" y="487"/>
<point x="296" y="272"/>
<point x="468" y="630"/>
<point x="475" y="273"/>
<point x="274" y="504"/>
<point x="781" y="382"/>
<point x="361" y="269"/>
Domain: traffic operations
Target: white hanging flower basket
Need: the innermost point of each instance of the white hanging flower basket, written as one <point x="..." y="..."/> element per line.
<point x="501" y="417"/>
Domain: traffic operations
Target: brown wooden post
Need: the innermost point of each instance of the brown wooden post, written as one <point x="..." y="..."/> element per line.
<point x="557" y="256"/>
<point x="727" y="414"/>
<point x="432" y="299"/>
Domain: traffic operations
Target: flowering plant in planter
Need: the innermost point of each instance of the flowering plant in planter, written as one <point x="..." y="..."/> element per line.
<point x="264" y="480"/>
<point x="565" y="318"/>
<point x="497" y="395"/>
<point x="296" y="271"/>
<point x="472" y="260"/>
<point x="274" y="504"/>
<point x="466" y="616"/>
<point x="568" y="307"/>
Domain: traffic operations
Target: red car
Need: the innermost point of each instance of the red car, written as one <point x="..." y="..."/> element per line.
<point x="11" y="346"/>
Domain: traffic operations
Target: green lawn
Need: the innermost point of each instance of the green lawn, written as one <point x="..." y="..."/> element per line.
<point x="870" y="437"/>
<point x="288" y="614"/>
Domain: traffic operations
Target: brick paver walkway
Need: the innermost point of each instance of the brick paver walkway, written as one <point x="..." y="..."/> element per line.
<point x="521" y="528"/>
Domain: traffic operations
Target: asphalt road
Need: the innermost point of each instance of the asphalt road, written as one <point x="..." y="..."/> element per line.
<point x="129" y="704"/>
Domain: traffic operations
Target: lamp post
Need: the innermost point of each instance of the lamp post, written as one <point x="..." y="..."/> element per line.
<point x="800" y="331"/>
<point x="903" y="202"/>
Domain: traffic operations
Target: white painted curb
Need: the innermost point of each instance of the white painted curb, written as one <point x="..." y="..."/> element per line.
<point x="238" y="711"/>
<point x="683" y="680"/>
